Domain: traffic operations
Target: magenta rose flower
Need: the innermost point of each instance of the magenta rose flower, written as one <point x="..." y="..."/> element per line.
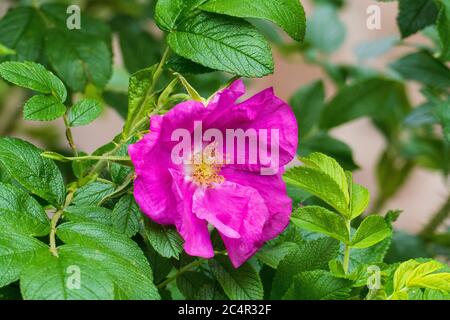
<point x="239" y="192"/>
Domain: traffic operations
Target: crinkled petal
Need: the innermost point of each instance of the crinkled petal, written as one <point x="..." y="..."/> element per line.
<point x="193" y="230"/>
<point x="273" y="190"/>
<point x="234" y="210"/>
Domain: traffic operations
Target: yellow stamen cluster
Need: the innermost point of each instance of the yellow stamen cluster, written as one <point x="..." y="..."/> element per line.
<point x="206" y="168"/>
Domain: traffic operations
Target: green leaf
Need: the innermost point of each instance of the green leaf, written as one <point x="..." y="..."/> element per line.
<point x="79" y="58"/>
<point x="164" y="240"/>
<point x="372" y="230"/>
<point x="310" y="255"/>
<point x="84" y="112"/>
<point x="16" y="252"/>
<point x="39" y="175"/>
<point x="318" y="285"/>
<point x="367" y="256"/>
<point x="224" y="44"/>
<point x="318" y="219"/>
<point x="21" y="213"/>
<point x="323" y="177"/>
<point x="325" y="17"/>
<point x="126" y="216"/>
<point x="190" y="283"/>
<point x="288" y="14"/>
<point x="33" y="76"/>
<point x="92" y="193"/>
<point x="140" y="103"/>
<point x="308" y="103"/>
<point x="115" y="254"/>
<point x="360" y="200"/>
<point x="375" y="97"/>
<point x="443" y="113"/>
<point x="66" y="277"/>
<point x="89" y="214"/>
<point x="424" y="68"/>
<point x="23" y="29"/>
<point x="185" y="66"/>
<point x="414" y="15"/>
<point x="239" y="284"/>
<point x="273" y="254"/>
<point x="169" y="12"/>
<point x="443" y="25"/>
<point x="413" y="274"/>
<point x="43" y="108"/>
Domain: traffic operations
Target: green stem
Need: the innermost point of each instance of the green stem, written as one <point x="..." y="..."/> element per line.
<point x="347" y="250"/>
<point x="184" y="269"/>
<point x="438" y="218"/>
<point x="69" y="136"/>
<point x="54" y="222"/>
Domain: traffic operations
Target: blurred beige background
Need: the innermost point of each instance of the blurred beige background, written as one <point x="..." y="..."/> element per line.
<point x="424" y="193"/>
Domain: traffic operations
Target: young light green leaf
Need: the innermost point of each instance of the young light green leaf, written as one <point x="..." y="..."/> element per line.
<point x="16" y="252"/>
<point x="360" y="200"/>
<point x="288" y="14"/>
<point x="311" y="255"/>
<point x="163" y="239"/>
<point x="318" y="285"/>
<point x="414" y="15"/>
<point x="372" y="230"/>
<point x="39" y="175"/>
<point x="92" y="193"/>
<point x="126" y="216"/>
<point x="221" y="43"/>
<point x="43" y="108"/>
<point x="424" y="68"/>
<point x="323" y="177"/>
<point x="84" y="112"/>
<point x="21" y="213"/>
<point x="239" y="284"/>
<point x="318" y="219"/>
<point x="66" y="277"/>
<point x="33" y="76"/>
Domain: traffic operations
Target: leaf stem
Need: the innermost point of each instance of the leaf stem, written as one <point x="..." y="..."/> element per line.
<point x="54" y="222"/>
<point x="69" y="136"/>
<point x="184" y="269"/>
<point x="347" y="250"/>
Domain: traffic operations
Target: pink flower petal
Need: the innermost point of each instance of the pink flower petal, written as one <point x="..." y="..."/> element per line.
<point x="234" y="210"/>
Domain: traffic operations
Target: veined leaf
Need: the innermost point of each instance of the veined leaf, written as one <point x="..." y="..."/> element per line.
<point x="126" y="215"/>
<point x="84" y="112"/>
<point x="414" y="15"/>
<point x="239" y="284"/>
<point x="39" y="175"/>
<point x="225" y="44"/>
<point x="372" y="230"/>
<point x="21" y="213"/>
<point x="89" y="214"/>
<point x="318" y="219"/>
<point x="288" y="14"/>
<point x="33" y="76"/>
<point x="360" y="200"/>
<point x="43" y="108"/>
<point x="92" y="193"/>
<point x="163" y="239"/>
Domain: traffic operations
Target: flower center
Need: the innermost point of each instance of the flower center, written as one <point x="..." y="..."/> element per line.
<point x="206" y="167"/>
